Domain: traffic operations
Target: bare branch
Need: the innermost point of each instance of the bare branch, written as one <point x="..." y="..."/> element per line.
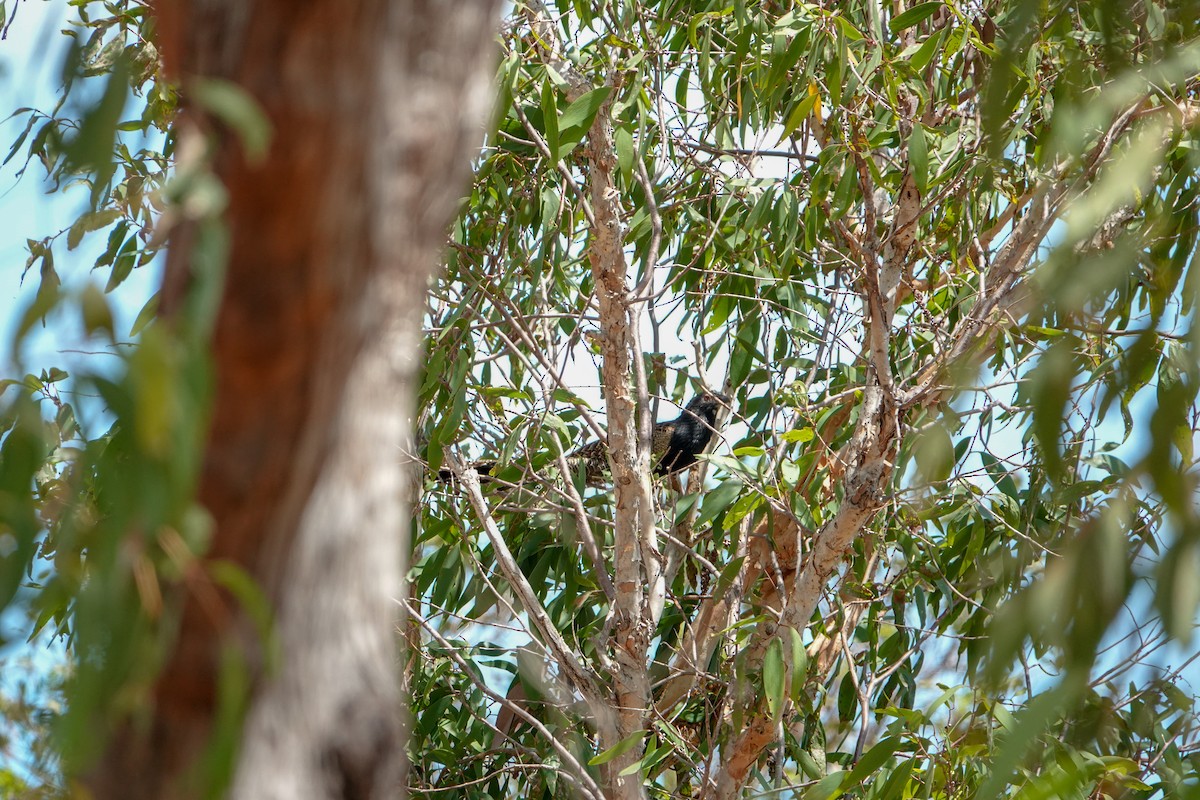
<point x="578" y="770"/>
<point x="578" y="677"/>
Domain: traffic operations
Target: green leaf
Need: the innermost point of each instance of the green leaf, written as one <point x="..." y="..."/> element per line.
<point x="647" y="761"/>
<point x="999" y="475"/>
<point x="623" y="140"/>
<point x="92" y="148"/>
<point x="827" y="788"/>
<point x="90" y="222"/>
<point x="873" y="759"/>
<point x="621" y="747"/>
<point x="507" y="74"/>
<point x="1124" y="179"/>
<point x="729" y="574"/>
<point x="722" y="307"/>
<point x="153" y="375"/>
<point x="914" y="15"/>
<point x="550" y="121"/>
<point x="837" y="67"/>
<point x="1050" y="384"/>
<point x="123" y="264"/>
<point x="21" y="456"/>
<point x="97" y="316"/>
<point x="920" y="59"/>
<point x="116" y="237"/>
<point x="897" y="780"/>
<point x="250" y="597"/>
<point x="798" y="115"/>
<point x="743" y="507"/>
<point x="847" y="28"/>
<point x="717" y="500"/>
<point x="235" y="107"/>
<point x="578" y="117"/>
<point x="799" y="664"/>
<point x="1179" y="589"/>
<point x="694" y="23"/>
<point x="918" y="157"/>
<point x="799" y="435"/>
<point x="1023" y="732"/>
<point x="774" y="677"/>
<point x="20" y="140"/>
<point x="47" y="296"/>
<point x="934" y="454"/>
<point x="146" y="315"/>
<point x="809" y="766"/>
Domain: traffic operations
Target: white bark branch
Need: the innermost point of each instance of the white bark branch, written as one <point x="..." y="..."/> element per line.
<point x="577" y="676"/>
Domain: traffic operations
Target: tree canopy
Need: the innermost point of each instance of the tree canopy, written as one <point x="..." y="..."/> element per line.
<point x="940" y="258"/>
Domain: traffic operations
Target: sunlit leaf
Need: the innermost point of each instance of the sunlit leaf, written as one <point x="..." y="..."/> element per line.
<point x="914" y="15"/>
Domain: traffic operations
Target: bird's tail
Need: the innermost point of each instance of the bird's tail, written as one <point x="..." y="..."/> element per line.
<point x="484" y="468"/>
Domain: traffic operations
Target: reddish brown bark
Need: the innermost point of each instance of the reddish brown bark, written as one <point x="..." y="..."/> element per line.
<point x="375" y="107"/>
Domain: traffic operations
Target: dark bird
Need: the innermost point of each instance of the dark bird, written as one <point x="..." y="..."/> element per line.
<point x="674" y="444"/>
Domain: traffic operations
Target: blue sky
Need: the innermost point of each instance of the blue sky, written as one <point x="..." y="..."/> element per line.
<point x="30" y="65"/>
<point x="25" y="211"/>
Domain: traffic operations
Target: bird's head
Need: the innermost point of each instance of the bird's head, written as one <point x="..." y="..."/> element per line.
<point x="707" y="404"/>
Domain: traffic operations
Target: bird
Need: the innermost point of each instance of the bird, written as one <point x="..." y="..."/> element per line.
<point x="674" y="444"/>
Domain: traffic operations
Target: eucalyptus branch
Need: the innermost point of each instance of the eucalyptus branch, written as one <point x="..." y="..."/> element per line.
<point x="578" y="677"/>
<point x="579" y="772"/>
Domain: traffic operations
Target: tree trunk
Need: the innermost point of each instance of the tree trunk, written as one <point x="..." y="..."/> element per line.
<point x="376" y="107"/>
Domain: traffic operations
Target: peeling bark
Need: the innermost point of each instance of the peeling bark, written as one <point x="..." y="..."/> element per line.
<point x="637" y="561"/>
